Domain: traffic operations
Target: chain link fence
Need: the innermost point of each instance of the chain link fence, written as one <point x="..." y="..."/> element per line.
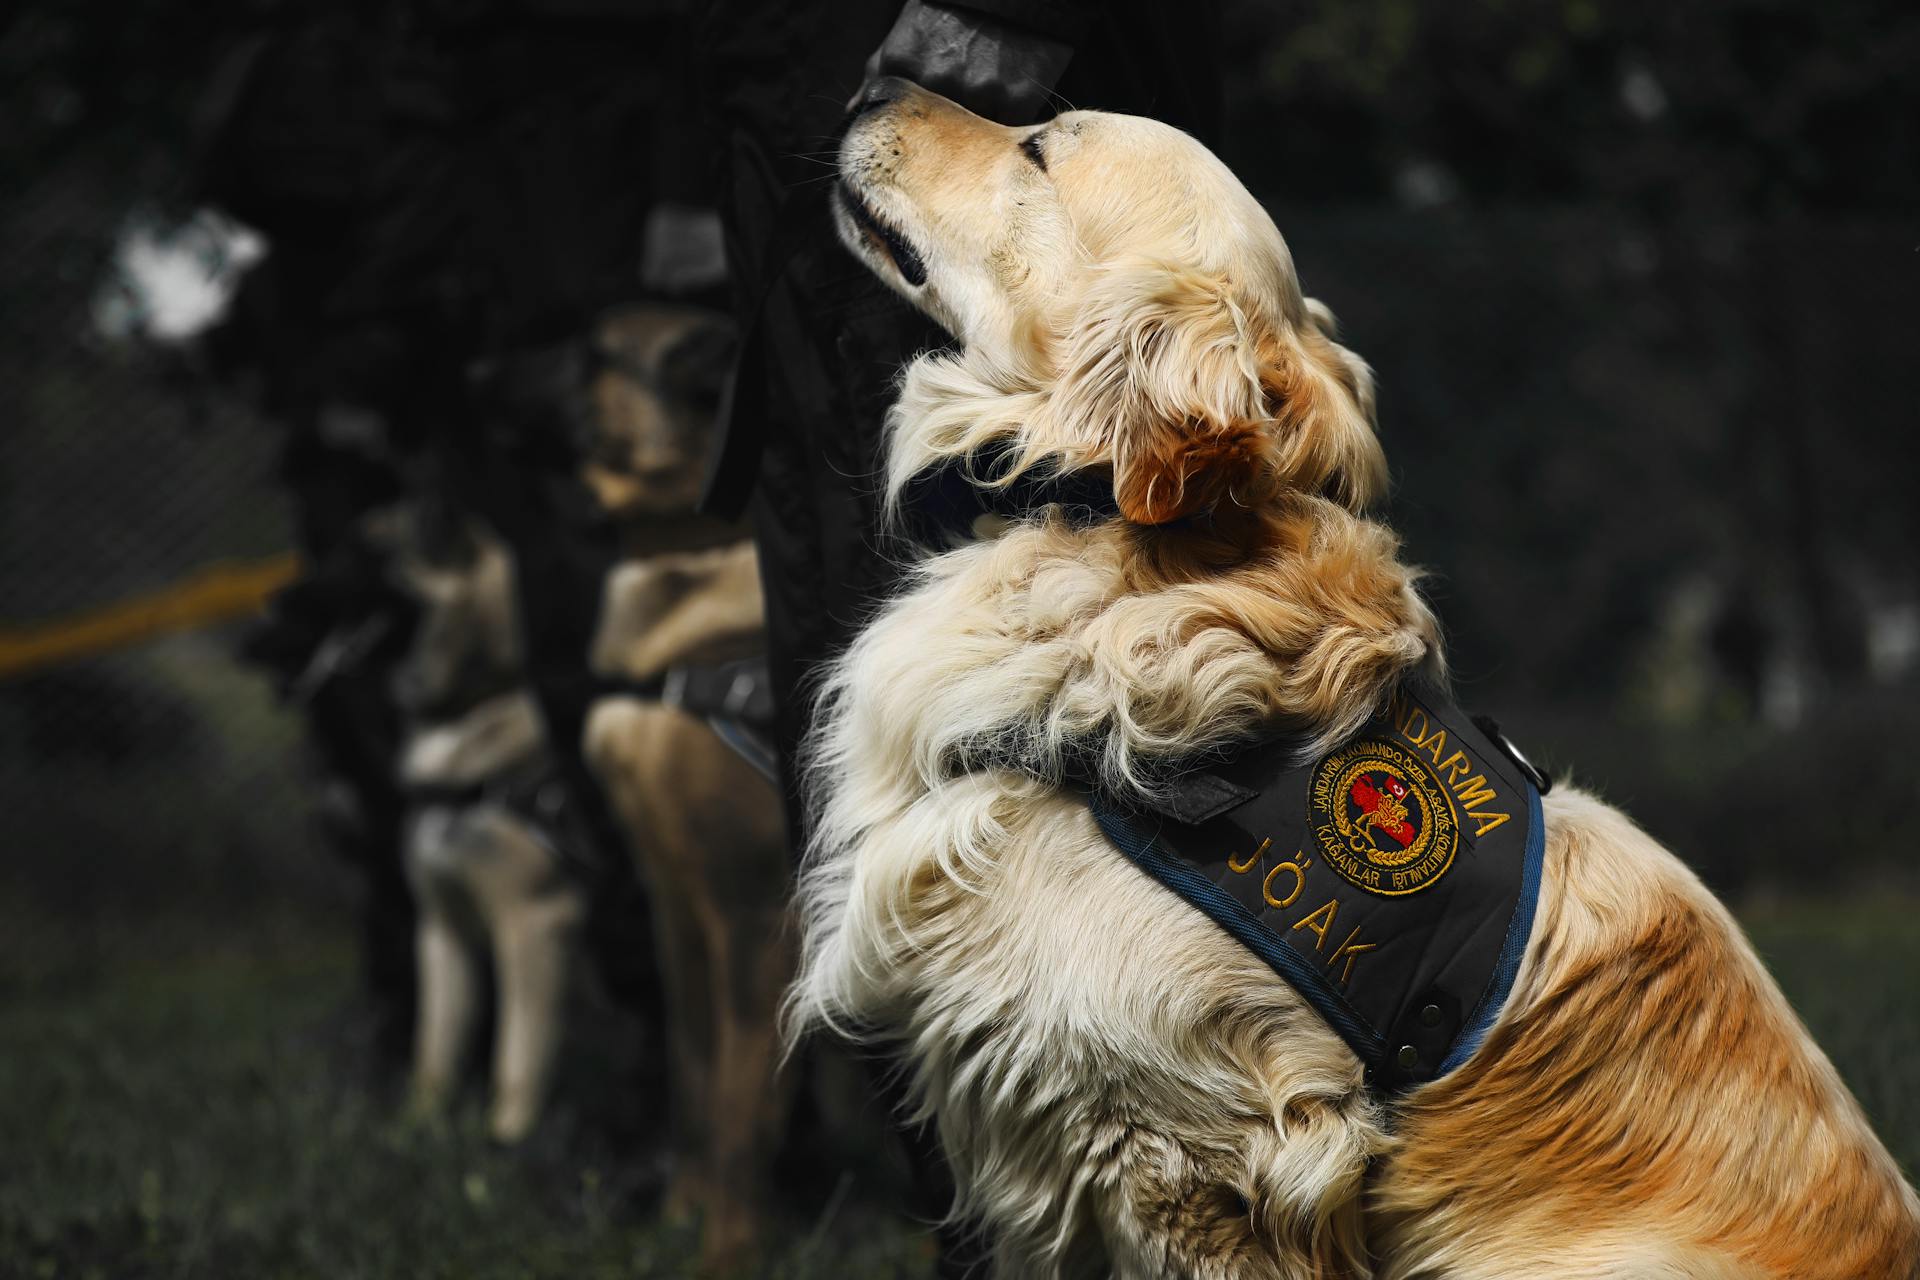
<point x="1719" y="592"/>
<point x="160" y="769"/>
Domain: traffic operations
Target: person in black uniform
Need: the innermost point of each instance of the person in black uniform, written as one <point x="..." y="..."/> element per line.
<point x="824" y="339"/>
<point x="452" y="193"/>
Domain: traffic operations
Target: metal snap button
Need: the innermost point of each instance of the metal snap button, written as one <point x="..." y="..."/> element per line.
<point x="1430" y="1016"/>
<point x="1409" y="1057"/>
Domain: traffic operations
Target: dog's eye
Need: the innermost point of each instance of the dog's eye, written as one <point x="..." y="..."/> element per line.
<point x="1030" y="147"/>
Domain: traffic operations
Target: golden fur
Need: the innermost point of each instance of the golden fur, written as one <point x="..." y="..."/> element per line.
<point x="1120" y="1087"/>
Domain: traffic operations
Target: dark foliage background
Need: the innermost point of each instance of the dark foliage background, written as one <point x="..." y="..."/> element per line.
<point x="1639" y="282"/>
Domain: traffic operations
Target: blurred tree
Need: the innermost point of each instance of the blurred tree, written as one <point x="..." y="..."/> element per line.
<point x="1631" y="230"/>
<point x="1753" y="106"/>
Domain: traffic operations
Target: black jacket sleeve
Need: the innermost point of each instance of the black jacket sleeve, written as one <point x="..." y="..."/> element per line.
<point x="1063" y="20"/>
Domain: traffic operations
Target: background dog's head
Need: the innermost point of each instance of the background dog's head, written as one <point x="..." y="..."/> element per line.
<point x="654" y="391"/>
<point x="1122" y="301"/>
<point x="466" y="644"/>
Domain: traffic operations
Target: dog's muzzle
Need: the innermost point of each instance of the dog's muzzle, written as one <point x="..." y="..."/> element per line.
<point x="905" y="258"/>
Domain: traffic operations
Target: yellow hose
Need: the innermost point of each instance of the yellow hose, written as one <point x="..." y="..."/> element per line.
<point x="216" y="593"/>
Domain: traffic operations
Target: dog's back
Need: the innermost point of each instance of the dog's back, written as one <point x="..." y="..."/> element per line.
<point x="1649" y="1083"/>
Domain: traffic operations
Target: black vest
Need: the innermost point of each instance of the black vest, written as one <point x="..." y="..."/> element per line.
<point x="1392" y="880"/>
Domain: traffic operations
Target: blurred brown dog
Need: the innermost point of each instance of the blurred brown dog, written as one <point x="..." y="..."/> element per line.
<point x="705" y="828"/>
<point x="482" y="844"/>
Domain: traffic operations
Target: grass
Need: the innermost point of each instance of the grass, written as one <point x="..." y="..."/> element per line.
<point x="182" y="1105"/>
<point x="1852" y="970"/>
<point x="202" y="1117"/>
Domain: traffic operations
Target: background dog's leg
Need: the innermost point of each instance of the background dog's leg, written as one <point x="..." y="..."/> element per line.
<point x="691" y="1047"/>
<point x="533" y="944"/>
<point x="449" y="1004"/>
<point x="707" y="834"/>
<point x="446" y="953"/>
<point x="751" y="959"/>
<point x="627" y="742"/>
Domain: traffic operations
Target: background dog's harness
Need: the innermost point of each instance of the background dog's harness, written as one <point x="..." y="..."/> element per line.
<point x="1392" y="880"/>
<point x="734" y="698"/>
<point x="529" y="786"/>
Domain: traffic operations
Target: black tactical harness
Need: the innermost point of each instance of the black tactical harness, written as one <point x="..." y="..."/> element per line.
<point x="734" y="698"/>
<point x="1391" y="880"/>
<point x="533" y="789"/>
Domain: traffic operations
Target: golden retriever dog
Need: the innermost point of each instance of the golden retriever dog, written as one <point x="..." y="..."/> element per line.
<point x="1120" y="1086"/>
<point x="490" y="887"/>
<point x="705" y="828"/>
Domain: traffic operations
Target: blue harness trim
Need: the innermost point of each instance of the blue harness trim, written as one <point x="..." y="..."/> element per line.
<point x="1514" y="949"/>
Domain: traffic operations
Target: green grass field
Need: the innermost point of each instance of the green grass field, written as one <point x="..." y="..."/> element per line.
<point x="177" y="1105"/>
<point x="199" y="1115"/>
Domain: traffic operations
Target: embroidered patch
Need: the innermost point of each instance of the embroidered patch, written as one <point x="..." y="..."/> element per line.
<point x="1383" y="818"/>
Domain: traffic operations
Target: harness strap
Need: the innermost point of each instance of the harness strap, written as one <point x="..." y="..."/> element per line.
<point x="942" y="503"/>
<point x="536" y="795"/>
<point x="1138" y="838"/>
<point x="734" y="698"/>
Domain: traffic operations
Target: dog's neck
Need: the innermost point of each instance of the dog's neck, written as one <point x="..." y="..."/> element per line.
<point x="1073" y="639"/>
<point x="970" y="450"/>
<point x="642" y="534"/>
<point x="1114" y="650"/>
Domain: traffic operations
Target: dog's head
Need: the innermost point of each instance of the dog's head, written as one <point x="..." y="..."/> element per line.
<point x="1123" y="297"/>
<point x="466" y="643"/>
<point x="654" y="392"/>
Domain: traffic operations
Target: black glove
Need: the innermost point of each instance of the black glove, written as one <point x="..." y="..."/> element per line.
<point x="987" y="66"/>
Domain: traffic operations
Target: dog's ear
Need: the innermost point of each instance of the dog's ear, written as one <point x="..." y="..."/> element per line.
<point x="1167" y="476"/>
<point x="1321" y="396"/>
<point x="1198" y="401"/>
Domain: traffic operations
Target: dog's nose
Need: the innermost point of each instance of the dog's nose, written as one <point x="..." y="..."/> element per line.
<point x="875" y="94"/>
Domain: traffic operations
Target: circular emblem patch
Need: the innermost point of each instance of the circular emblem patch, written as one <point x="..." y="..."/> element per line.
<point x="1382" y="818"/>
